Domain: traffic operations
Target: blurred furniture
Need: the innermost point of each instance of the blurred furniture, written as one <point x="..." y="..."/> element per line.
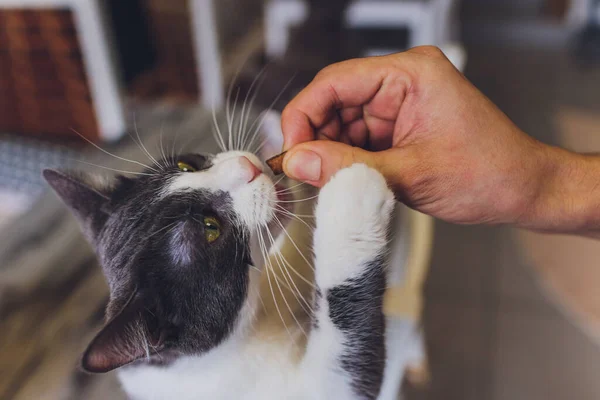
<point x="428" y="21"/>
<point x="208" y="56"/>
<point x="174" y="74"/>
<point x="56" y="70"/>
<point x="224" y="34"/>
<point x="580" y="12"/>
<point x="587" y="49"/>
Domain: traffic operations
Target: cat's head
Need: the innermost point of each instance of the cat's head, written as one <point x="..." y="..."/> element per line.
<point x="178" y="246"/>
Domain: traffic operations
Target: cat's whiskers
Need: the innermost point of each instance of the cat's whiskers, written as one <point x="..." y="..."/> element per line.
<point x="237" y="131"/>
<point x="284" y="211"/>
<point x="279" y="261"/>
<point x="278" y="208"/>
<point x="139" y="330"/>
<point x="243" y="131"/>
<point x="278" y="180"/>
<point x="111" y="169"/>
<point x="289" y="189"/>
<point x="261" y="145"/>
<point x="298" y="200"/>
<point x="230" y="122"/>
<point x="299" y="252"/>
<point x="174" y="142"/>
<point x="282" y="191"/>
<point x="264" y="115"/>
<point x="228" y="116"/>
<point x="141" y="144"/>
<point x="161" y="148"/>
<point x="300" y="217"/>
<point x="293" y="192"/>
<point x="283" y="265"/>
<point x="255" y="268"/>
<point x="113" y="155"/>
<point x="286" y="266"/>
<point x="267" y="266"/>
<point x="217" y="132"/>
<point x="235" y="142"/>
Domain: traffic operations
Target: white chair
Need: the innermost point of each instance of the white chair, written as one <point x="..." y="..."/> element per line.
<point x="208" y="55"/>
<point x="428" y="21"/>
<point x="98" y="61"/>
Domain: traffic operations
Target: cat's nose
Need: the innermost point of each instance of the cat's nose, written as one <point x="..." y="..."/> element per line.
<point x="249" y="170"/>
<point x="236" y="171"/>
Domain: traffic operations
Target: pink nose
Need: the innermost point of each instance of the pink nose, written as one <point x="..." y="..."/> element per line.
<point x="251" y="171"/>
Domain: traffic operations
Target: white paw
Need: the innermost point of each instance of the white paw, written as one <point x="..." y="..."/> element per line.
<point x="352" y="216"/>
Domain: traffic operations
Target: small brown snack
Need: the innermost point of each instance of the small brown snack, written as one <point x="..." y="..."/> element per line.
<point x="276" y="163"/>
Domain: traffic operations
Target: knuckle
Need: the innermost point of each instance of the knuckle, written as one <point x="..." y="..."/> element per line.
<point x="431" y="51"/>
<point x="326" y="71"/>
<point x="287" y="112"/>
<point x="432" y="61"/>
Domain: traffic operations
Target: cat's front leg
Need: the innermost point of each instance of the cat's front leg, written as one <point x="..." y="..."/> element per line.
<point x="346" y="351"/>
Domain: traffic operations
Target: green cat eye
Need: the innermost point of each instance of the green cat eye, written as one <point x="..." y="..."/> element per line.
<point x="185" y="167"/>
<point x="212" y="229"/>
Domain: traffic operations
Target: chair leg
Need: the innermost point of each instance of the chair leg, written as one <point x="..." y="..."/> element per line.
<point x="208" y="56"/>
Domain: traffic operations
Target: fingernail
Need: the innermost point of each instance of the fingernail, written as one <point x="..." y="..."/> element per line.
<point x="304" y="165"/>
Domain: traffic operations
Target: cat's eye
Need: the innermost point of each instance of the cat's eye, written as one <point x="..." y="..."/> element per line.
<point x="185" y="167"/>
<point x="212" y="229"/>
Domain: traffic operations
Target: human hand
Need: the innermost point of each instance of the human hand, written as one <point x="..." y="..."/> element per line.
<point x="444" y="148"/>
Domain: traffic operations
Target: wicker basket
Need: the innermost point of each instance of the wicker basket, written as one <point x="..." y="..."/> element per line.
<point x="43" y="85"/>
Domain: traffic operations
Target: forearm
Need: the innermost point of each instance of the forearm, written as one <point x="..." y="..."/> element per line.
<point x="569" y="198"/>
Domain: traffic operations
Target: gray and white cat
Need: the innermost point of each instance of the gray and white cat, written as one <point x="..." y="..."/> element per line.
<point x="213" y="292"/>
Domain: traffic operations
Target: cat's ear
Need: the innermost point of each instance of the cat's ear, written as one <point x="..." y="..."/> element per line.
<point x="271" y="135"/>
<point x="85" y="199"/>
<point x="131" y="335"/>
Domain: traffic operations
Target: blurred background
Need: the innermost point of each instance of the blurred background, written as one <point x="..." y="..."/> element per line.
<point x="509" y="314"/>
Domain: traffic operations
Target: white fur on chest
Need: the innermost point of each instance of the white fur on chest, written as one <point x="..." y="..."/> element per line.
<point x="263" y="371"/>
<point x="258" y="371"/>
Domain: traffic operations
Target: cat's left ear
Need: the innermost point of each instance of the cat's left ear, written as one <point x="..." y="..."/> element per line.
<point x="271" y="135"/>
<point x="86" y="201"/>
<point x="132" y="334"/>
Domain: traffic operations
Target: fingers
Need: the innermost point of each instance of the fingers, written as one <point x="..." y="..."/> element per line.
<point x="347" y="91"/>
<point x="356" y="133"/>
<point x="316" y="162"/>
<point x="314" y="111"/>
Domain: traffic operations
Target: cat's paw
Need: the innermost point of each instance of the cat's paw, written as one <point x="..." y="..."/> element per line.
<point x="356" y="202"/>
<point x="352" y="216"/>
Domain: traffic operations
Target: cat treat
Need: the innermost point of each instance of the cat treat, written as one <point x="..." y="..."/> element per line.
<point x="276" y="163"/>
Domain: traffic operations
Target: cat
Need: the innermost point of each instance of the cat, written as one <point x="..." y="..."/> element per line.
<point x="212" y="292"/>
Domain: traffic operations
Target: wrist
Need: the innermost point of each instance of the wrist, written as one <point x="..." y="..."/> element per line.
<point x="568" y="199"/>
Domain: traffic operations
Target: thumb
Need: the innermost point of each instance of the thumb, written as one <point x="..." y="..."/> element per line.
<point x="317" y="161"/>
